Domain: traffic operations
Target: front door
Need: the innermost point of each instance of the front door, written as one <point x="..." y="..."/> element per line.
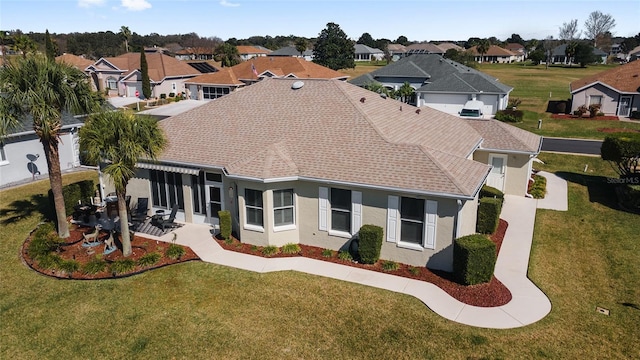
<point x="625" y="106"/>
<point x="498" y="172"/>
<point x="214" y="202"/>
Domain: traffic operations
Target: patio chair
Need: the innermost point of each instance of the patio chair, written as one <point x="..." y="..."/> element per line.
<point x="140" y="214"/>
<point x="170" y="221"/>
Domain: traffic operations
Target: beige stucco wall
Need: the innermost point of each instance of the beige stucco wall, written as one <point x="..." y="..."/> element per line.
<point x="609" y="99"/>
<point x="468" y="217"/>
<point x="517" y="173"/>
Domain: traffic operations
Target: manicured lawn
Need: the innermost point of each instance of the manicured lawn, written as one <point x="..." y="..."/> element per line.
<point x="363" y="67"/>
<point x="584" y="258"/>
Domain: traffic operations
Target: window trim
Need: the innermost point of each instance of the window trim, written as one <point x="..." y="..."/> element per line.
<point x="601" y="97"/>
<point x="325" y="211"/>
<point x="246" y="225"/>
<point x="429" y="221"/>
<point x="284" y="227"/>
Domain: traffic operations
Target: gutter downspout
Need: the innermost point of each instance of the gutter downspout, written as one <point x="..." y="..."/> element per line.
<point x="458" y="221"/>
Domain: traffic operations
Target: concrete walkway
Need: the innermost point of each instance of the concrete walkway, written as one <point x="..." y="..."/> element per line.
<point x="528" y="305"/>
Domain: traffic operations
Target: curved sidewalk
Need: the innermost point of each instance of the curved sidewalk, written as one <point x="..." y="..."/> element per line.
<point x="528" y="305"/>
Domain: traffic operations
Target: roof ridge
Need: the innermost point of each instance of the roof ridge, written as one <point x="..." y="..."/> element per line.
<point x="427" y="151"/>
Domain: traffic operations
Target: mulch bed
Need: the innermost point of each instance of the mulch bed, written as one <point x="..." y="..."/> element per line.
<point x="490" y="294"/>
<point x="72" y="249"/>
<point x="574" y="117"/>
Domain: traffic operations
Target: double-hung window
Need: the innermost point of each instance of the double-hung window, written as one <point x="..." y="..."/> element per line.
<point x="253" y="208"/>
<point x="595" y="99"/>
<point x="411" y="222"/>
<point x="340" y="211"/>
<point x="283" y="208"/>
<point x="112" y="83"/>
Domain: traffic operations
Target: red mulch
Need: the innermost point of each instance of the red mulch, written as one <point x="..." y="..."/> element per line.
<point x="574" y="117"/>
<point x="490" y="294"/>
<point x="73" y="249"/>
<point x="616" y="130"/>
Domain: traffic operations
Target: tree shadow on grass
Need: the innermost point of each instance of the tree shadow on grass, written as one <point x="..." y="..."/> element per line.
<point x="19" y="209"/>
<point x="599" y="188"/>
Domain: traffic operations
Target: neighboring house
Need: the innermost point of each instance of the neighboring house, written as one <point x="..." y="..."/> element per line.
<point x="366" y="53"/>
<point x="517" y="49"/>
<point x="396" y="51"/>
<point x="558" y="55"/>
<point x="195" y="53"/>
<point x="424" y="48"/>
<point x="496" y="54"/>
<point x="121" y="76"/>
<point x="448" y="45"/>
<point x="634" y="54"/>
<point x="214" y="85"/>
<point x="22" y="157"/>
<point x="312" y="161"/>
<point x="250" y="52"/>
<point x="440" y="83"/>
<point x="293" y="52"/>
<point x="616" y="90"/>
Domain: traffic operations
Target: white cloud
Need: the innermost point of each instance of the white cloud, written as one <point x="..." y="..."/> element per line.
<point x="228" y="4"/>
<point x="136" y="5"/>
<point x="89" y="3"/>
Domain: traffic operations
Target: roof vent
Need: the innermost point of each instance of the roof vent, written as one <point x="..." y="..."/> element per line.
<point x="297" y="85"/>
<point x="417" y="111"/>
<point x="400" y="107"/>
<point x="362" y="100"/>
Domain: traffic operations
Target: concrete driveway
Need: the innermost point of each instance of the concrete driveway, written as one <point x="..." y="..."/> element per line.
<point x="174" y="108"/>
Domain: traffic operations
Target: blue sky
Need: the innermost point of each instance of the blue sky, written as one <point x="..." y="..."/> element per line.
<point x="416" y="19"/>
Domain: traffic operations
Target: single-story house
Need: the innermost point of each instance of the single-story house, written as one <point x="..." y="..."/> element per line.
<point x="396" y="51"/>
<point x="517" y="48"/>
<point x="366" y="53"/>
<point x="195" y="53"/>
<point x="496" y="54"/>
<point x="424" y="48"/>
<point x="634" y="54"/>
<point x="121" y="76"/>
<point x="441" y="83"/>
<point x="227" y="80"/>
<point x="293" y="52"/>
<point x="247" y="52"/>
<point x="449" y="45"/>
<point x="22" y="157"/>
<point x="616" y="90"/>
<point x="559" y="56"/>
<point x="310" y="161"/>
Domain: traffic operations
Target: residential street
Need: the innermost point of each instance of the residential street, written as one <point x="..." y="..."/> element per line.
<point x="574" y="146"/>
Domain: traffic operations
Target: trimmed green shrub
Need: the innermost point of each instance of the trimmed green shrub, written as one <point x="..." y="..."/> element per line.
<point x="149" y="259"/>
<point x="389" y="265"/>
<point x="369" y="243"/>
<point x="174" y="252"/>
<point x="122" y="266"/>
<point x="345" y="255"/>
<point x="49" y="261"/>
<point x="69" y="266"/>
<point x="635" y="115"/>
<point x="44" y="241"/>
<point x="488" y="215"/>
<point x="414" y="270"/>
<point x="491" y="192"/>
<point x="94" y="266"/>
<point x="225" y="223"/>
<point x="509" y="115"/>
<point x="539" y="187"/>
<point x="629" y="196"/>
<point x="474" y="259"/>
<point x="269" y="250"/>
<point x="290" y="249"/>
<point x="327" y="252"/>
<point x="621" y="150"/>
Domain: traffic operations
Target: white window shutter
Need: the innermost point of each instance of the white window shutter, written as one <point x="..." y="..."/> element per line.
<point x="356" y="211"/>
<point x="392" y="218"/>
<point x="323" y="201"/>
<point x="430" y="217"/>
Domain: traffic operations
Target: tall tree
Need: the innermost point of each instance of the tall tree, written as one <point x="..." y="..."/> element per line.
<point x="570" y="50"/>
<point x="22" y="43"/>
<point x="482" y="47"/>
<point x="569" y="31"/>
<point x="301" y="45"/>
<point x="515" y="39"/>
<point x="144" y="70"/>
<point x="333" y="49"/>
<point x="227" y="54"/>
<point x="584" y="54"/>
<point x="126" y="34"/>
<point x="367" y="39"/>
<point x="119" y="139"/>
<point x="406" y="93"/>
<point x="597" y="24"/>
<point x="44" y="90"/>
<point x="402" y="40"/>
<point x="48" y="46"/>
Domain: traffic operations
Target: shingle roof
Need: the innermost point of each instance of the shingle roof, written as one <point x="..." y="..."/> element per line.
<point x="624" y="78"/>
<point x="447" y="45"/>
<point x="364" y="49"/>
<point x="160" y="66"/>
<point x="328" y="130"/>
<point x="245" y="49"/>
<point x="278" y="66"/>
<point x="74" y="60"/>
<point x="493" y="50"/>
<point x="25" y="124"/>
<point x="425" y="48"/>
<point x="500" y="136"/>
<point x="290" y="51"/>
<point x="439" y="74"/>
<point x="560" y="50"/>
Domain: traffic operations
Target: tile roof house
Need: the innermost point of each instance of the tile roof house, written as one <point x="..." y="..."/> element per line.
<point x="121" y="76"/>
<point x="441" y="83"/>
<point x="312" y="161"/>
<point x="496" y="54"/>
<point x="616" y="90"/>
<point x="249" y="52"/>
<point x="293" y="52"/>
<point x="366" y="53"/>
<point x="214" y="85"/>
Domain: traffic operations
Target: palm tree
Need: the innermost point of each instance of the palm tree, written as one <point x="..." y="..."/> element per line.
<point x="126" y="33"/>
<point x="119" y="139"/>
<point x="570" y="50"/>
<point x="483" y="47"/>
<point x="23" y="43"/>
<point x="44" y="90"/>
<point x="405" y="93"/>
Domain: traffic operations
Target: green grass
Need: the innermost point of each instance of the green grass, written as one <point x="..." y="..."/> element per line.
<point x="584" y="258"/>
<point x="536" y="85"/>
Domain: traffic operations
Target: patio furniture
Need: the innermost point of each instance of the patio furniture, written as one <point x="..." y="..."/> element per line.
<point x="170" y="221"/>
<point x="140" y="214"/>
